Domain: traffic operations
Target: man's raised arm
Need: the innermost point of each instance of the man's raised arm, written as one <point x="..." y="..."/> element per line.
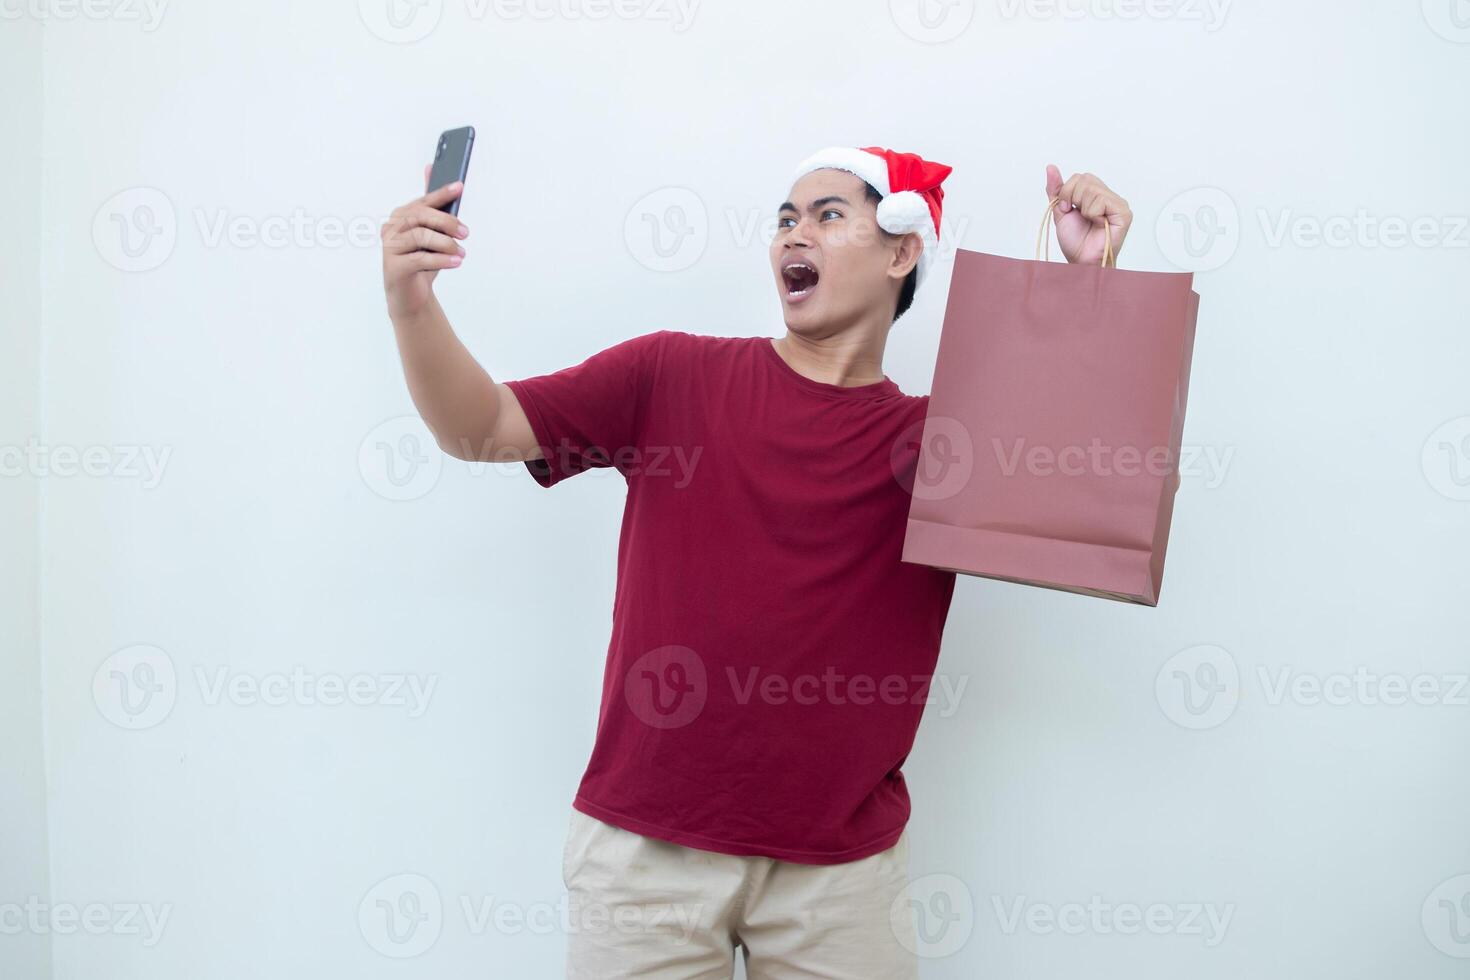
<point x="470" y="415"/>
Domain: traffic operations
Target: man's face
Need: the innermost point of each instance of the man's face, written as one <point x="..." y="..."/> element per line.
<point x="833" y="264"/>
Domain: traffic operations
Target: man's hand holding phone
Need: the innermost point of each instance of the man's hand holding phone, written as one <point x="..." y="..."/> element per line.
<point x="470" y="415"/>
<point x="419" y="239"/>
<point x="423" y="236"/>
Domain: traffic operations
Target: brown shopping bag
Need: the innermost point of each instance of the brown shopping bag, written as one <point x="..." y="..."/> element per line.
<point x="1050" y="450"/>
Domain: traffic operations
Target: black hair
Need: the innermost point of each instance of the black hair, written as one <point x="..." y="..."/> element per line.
<point x="911" y="282"/>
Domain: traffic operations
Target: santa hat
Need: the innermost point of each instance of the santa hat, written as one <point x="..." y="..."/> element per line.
<point x="912" y="197"/>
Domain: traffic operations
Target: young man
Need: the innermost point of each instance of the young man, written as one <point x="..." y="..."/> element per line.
<point x="770" y="653"/>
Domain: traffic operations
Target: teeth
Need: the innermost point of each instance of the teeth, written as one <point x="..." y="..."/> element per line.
<point x="794" y="266"/>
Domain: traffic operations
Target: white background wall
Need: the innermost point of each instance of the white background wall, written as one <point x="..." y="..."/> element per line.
<point x="23" y="864"/>
<point x="262" y="383"/>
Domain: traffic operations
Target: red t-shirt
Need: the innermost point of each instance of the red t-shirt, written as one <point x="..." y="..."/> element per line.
<point x="771" y="654"/>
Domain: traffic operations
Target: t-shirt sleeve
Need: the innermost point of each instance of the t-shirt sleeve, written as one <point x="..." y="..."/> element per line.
<point x="591" y="414"/>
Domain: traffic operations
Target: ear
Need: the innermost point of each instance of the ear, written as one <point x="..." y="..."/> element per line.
<point x="905" y="256"/>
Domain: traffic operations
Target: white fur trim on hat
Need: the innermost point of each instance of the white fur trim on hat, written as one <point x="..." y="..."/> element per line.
<point x="868" y="166"/>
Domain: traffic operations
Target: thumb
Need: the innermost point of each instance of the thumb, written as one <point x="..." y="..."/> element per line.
<point x="428" y="168"/>
<point x="1053" y="180"/>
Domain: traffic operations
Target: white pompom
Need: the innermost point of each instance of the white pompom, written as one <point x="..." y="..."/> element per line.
<point x="903" y="212"/>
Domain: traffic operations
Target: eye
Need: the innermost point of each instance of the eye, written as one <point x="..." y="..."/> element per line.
<point x="781" y="222"/>
<point x="831" y="211"/>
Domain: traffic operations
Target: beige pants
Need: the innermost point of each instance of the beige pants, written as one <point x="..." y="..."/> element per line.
<point x="642" y="907"/>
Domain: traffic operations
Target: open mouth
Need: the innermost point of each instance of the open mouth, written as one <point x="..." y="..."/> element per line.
<point x="800" y="280"/>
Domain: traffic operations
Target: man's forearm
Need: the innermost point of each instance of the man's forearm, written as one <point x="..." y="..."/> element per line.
<point x="455" y="395"/>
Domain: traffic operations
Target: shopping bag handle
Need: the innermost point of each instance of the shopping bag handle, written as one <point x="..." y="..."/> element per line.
<point x="1108" y="255"/>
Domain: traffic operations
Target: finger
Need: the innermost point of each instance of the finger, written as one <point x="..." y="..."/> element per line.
<point x="1105" y="204"/>
<point x="420" y="238"/>
<point x="398" y="228"/>
<point x="416" y="215"/>
<point x="1088" y="198"/>
<point x="1094" y="203"/>
<point x="1116" y="206"/>
<point x="427" y="261"/>
<point x="428" y="168"/>
<point x="443" y="195"/>
<point x="1082" y="189"/>
<point x="1112" y="205"/>
<point x="1122" y="218"/>
<point x="1069" y="192"/>
<point x="405" y="229"/>
<point x="441" y="221"/>
<point x="1053" y="180"/>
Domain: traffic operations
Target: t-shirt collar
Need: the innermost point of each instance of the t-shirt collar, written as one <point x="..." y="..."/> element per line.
<point x="873" y="390"/>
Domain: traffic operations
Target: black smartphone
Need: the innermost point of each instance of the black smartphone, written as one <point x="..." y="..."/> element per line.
<point x="452" y="161"/>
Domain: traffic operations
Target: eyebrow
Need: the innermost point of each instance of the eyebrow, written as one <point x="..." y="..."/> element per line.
<point x="819" y="202"/>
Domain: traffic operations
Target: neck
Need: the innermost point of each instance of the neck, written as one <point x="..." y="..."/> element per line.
<point x="849" y="357"/>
